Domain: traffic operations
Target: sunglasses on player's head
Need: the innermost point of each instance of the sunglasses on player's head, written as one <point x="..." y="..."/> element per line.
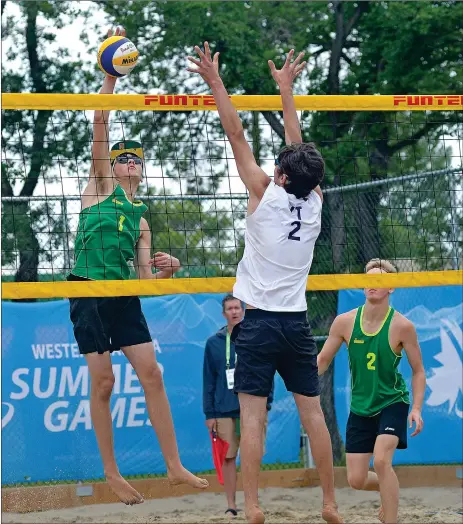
<point x="123" y="159"/>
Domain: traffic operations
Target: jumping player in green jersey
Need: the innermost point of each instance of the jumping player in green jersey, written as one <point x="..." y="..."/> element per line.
<point x="375" y="335"/>
<point x="111" y="234"/>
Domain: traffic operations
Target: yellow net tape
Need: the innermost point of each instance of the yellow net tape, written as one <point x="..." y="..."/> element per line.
<point x="241" y="102"/>
<point x="110" y="288"/>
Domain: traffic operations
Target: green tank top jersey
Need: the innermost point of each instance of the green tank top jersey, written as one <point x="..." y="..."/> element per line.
<point x="375" y="381"/>
<point x="107" y="235"/>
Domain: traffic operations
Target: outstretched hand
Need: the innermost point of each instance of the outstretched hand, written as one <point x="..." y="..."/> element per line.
<point x="207" y="66"/>
<point x="120" y="31"/>
<point x="285" y="76"/>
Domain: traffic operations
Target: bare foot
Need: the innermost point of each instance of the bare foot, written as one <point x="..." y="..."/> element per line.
<point x="183" y="476"/>
<point x="124" y="490"/>
<point x="381" y="514"/>
<point x="330" y="514"/>
<point x="254" y="515"/>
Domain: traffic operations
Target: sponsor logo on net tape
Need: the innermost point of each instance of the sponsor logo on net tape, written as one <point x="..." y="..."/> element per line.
<point x="180" y="100"/>
<point x="428" y="100"/>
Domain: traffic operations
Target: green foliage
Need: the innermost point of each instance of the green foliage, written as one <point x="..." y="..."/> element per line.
<point x="207" y="236"/>
<point x="362" y="54"/>
<point x="38" y="145"/>
<point x="352" y="48"/>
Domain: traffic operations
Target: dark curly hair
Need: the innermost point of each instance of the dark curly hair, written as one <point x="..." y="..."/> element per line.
<point x="228" y="298"/>
<point x="304" y="167"/>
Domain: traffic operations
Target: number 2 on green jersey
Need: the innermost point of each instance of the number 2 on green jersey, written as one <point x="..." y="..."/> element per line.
<point x="371" y="360"/>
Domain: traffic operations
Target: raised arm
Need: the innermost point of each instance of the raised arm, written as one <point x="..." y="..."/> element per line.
<point x="253" y="177"/>
<point x="101" y="166"/>
<point x="100" y="171"/>
<point x="285" y="77"/>
<point x="336" y="337"/>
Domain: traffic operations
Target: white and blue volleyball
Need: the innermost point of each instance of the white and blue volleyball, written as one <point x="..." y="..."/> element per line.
<point x="117" y="56"/>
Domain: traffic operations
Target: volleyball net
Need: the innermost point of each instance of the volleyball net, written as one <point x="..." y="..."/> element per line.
<point x="393" y="187"/>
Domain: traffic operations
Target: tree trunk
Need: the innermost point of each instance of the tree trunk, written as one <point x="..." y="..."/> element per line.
<point x="256" y="142"/>
<point x="367" y="222"/>
<point x="336" y="225"/>
<point x="29" y="250"/>
<point x="275" y="123"/>
<point x="367" y="227"/>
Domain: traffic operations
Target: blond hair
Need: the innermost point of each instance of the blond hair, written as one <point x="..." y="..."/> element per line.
<point x="379" y="263"/>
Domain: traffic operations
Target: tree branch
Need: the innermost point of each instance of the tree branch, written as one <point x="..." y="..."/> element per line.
<point x="32" y="45"/>
<point x="318" y="52"/>
<point x="339" y="43"/>
<point x="351" y="43"/>
<point x="41" y="121"/>
<point x="346" y="58"/>
<point x="255" y="133"/>
<point x="343" y="30"/>
<point x="413" y="138"/>
<point x="275" y="124"/>
<point x="7" y="189"/>
<point x="3" y="5"/>
<point x="40" y="129"/>
<point x="361" y="8"/>
<point x="336" y="49"/>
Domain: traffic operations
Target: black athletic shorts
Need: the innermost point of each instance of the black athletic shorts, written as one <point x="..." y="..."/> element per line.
<point x="108" y="323"/>
<point x="266" y="342"/>
<point x="362" y="431"/>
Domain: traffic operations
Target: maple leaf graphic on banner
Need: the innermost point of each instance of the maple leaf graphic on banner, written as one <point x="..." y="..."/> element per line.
<point x="446" y="381"/>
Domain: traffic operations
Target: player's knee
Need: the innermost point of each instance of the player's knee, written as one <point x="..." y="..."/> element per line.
<point x="253" y="419"/>
<point x="309" y="407"/>
<point x="102" y="386"/>
<point x="151" y="378"/>
<point x="356" y="480"/>
<point x="381" y="463"/>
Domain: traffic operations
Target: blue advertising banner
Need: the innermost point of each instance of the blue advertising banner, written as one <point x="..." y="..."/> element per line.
<point x="437" y="315"/>
<point x="46" y="427"/>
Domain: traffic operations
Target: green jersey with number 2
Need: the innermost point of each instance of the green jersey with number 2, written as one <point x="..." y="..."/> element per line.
<point x="375" y="381"/>
<point x="107" y="236"/>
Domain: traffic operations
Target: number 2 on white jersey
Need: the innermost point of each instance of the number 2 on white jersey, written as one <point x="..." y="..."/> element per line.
<point x="296" y="223"/>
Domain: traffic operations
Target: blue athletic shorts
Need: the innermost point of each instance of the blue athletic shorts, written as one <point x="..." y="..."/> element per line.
<point x="266" y="342"/>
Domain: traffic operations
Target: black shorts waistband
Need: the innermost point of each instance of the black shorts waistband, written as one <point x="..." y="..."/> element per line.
<point x="260" y="314"/>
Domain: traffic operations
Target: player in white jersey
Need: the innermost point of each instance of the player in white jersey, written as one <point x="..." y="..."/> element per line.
<point x="282" y="225"/>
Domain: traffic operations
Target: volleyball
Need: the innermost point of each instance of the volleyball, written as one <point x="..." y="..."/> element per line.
<point x="117" y="56"/>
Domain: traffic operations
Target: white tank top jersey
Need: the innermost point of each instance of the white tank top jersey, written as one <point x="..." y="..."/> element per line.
<point x="279" y="243"/>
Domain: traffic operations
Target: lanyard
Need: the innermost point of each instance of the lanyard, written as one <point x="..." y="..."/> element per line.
<point x="227" y="349"/>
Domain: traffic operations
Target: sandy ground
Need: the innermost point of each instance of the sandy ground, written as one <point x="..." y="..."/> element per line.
<point x="299" y="505"/>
